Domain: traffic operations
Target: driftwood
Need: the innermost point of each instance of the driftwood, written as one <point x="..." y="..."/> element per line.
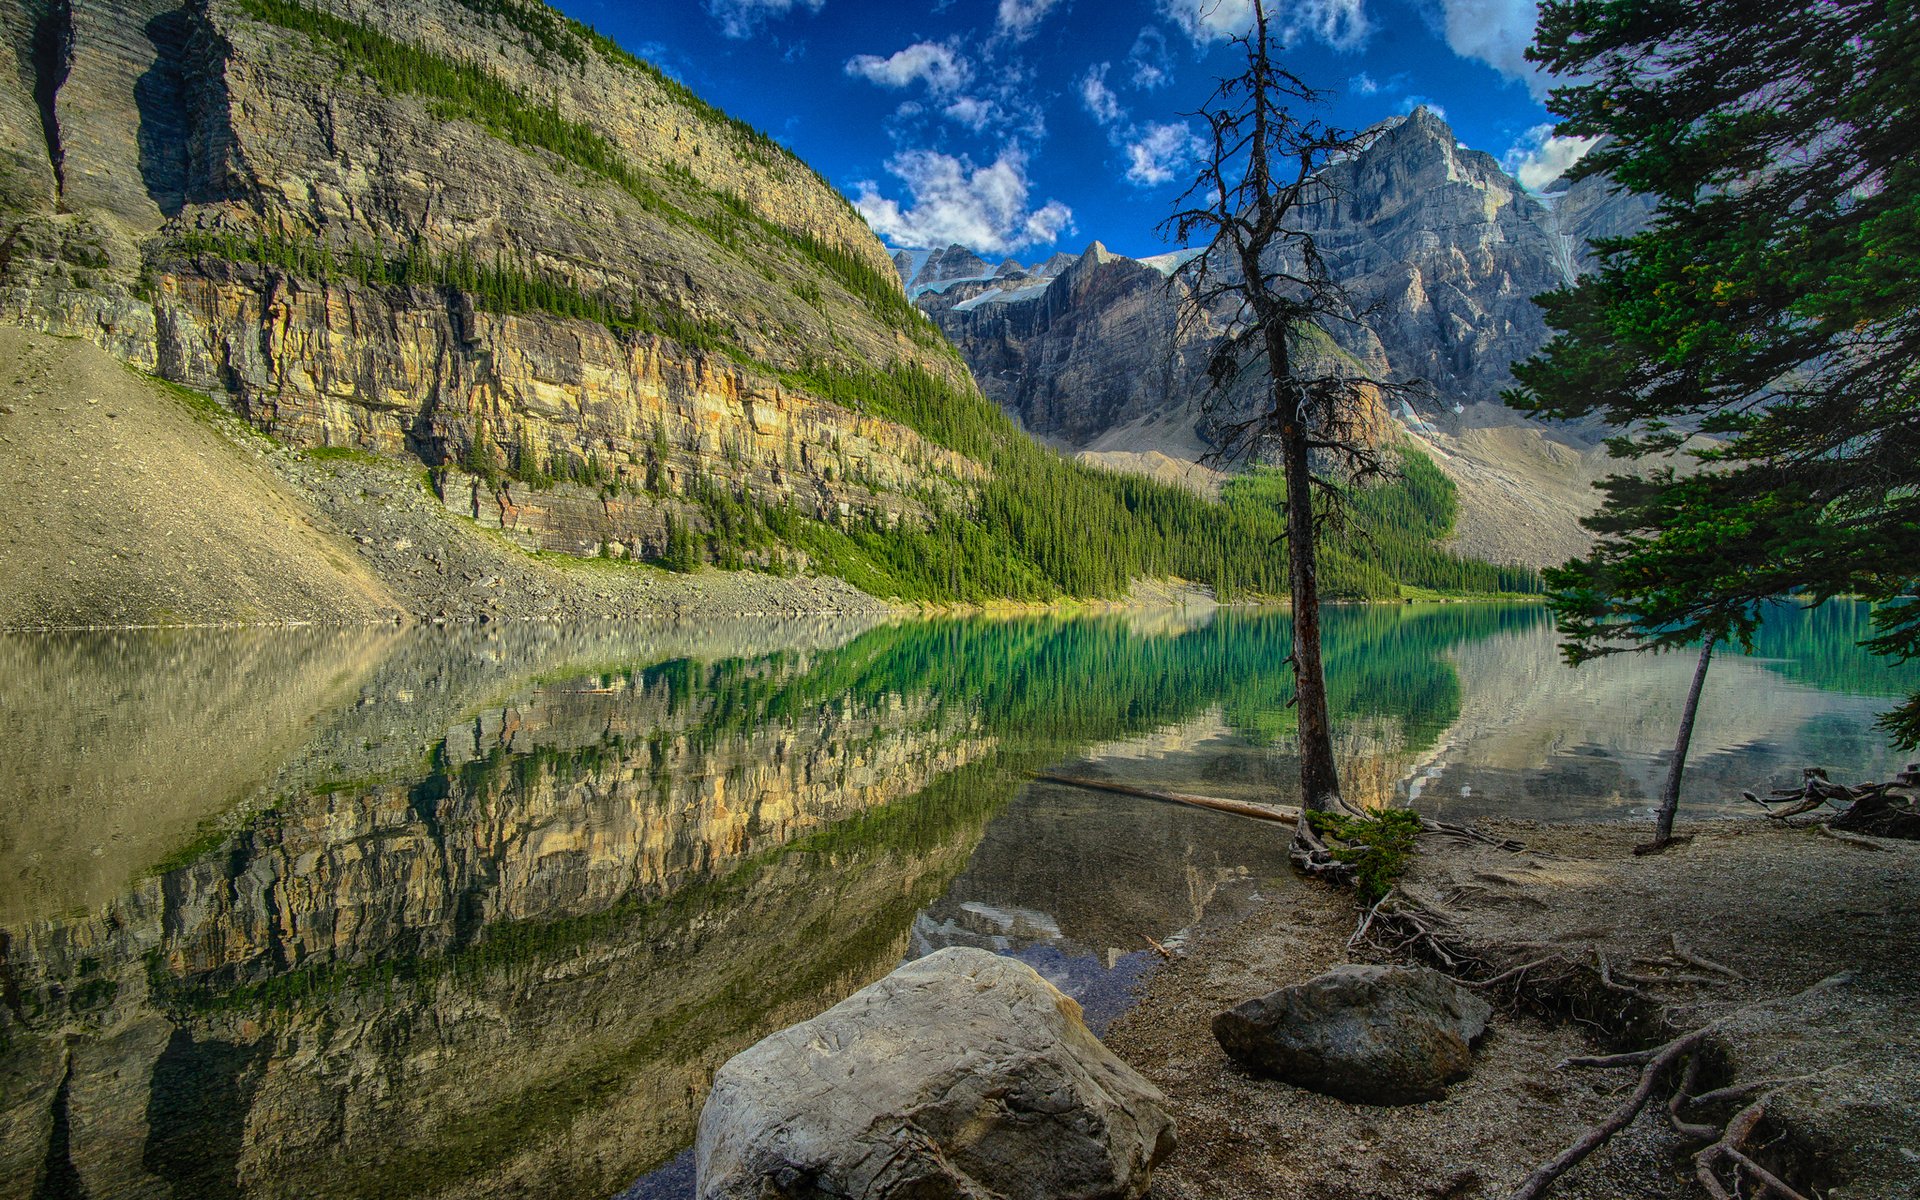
<point x="1890" y="809"/>
<point x="1275" y="812"/>
<point x="1260" y="812"/>
<point x="1873" y="808"/>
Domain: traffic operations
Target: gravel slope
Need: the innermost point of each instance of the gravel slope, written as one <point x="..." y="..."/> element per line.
<point x="128" y="504"/>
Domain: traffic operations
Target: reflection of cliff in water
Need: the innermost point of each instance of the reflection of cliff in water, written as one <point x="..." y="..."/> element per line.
<point x="572" y="907"/>
<point x="479" y="911"/>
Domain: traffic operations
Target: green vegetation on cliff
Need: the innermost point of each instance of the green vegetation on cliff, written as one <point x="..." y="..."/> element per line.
<point x="1046" y="526"/>
<point x="461" y="91"/>
<point x="1039" y="528"/>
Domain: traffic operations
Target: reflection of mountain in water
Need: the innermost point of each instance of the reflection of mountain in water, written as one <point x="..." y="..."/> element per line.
<point x="430" y="912"/>
<point x="1535" y="738"/>
<point x="493" y="903"/>
<point x="1077" y="882"/>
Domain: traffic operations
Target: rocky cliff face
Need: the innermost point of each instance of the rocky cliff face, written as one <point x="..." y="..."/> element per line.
<point x="466" y="231"/>
<point x="1440" y="249"/>
<point x="1085" y="350"/>
<point x="1442" y="253"/>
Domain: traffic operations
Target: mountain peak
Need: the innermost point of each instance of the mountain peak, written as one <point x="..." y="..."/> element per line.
<point x="955" y="262"/>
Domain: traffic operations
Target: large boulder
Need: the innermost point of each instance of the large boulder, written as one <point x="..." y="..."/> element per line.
<point x="1374" y="1035"/>
<point x="962" y="1074"/>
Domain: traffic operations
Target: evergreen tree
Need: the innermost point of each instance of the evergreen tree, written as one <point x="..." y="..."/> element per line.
<point x="1770" y="306"/>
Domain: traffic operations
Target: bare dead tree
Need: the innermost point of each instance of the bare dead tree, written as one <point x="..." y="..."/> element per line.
<point x="1264" y="171"/>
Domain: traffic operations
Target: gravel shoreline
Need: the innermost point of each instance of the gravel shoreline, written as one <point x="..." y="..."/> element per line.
<point x="1751" y="894"/>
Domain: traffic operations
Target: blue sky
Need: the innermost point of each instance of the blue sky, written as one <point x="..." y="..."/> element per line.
<point x="1023" y="127"/>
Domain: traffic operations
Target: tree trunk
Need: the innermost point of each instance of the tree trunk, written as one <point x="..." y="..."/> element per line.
<point x="1319" y="780"/>
<point x="1670" y="795"/>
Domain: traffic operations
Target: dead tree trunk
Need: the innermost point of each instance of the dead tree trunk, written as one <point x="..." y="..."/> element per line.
<point x="1670" y="795"/>
<point x="1319" y="779"/>
<point x="1262" y="278"/>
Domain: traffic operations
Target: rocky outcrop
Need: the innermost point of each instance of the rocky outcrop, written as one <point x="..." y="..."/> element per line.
<point x="960" y="1074"/>
<point x="1440" y="249"/>
<point x="1371" y="1035"/>
<point x="1592" y="209"/>
<point x="242" y="196"/>
<point x="1442" y="253"/>
<point x="1095" y="348"/>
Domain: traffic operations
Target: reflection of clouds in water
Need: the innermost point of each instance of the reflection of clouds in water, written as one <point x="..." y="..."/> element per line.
<point x="1102" y="984"/>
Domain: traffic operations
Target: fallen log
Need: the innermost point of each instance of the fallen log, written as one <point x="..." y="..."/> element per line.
<point x="1260" y="812"/>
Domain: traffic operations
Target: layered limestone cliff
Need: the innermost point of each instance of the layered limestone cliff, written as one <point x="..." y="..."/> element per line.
<point x="462" y="231"/>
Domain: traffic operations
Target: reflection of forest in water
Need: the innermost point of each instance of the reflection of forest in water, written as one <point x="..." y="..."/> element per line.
<point x="378" y="912"/>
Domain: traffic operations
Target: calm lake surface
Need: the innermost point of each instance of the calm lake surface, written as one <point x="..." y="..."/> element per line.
<point x="478" y="912"/>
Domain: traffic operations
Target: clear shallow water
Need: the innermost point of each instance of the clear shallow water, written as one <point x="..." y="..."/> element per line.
<point x="385" y="913"/>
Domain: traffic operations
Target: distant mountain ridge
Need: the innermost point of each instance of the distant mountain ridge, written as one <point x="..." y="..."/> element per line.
<point x="1442" y="252"/>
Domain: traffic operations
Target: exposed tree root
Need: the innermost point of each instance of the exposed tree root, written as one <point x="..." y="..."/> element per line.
<point x="1681" y="953"/>
<point x="1726" y="1151"/>
<point x="1653" y="1064"/>
<point x="1851" y="839"/>
<point x="1730" y="1148"/>
<point x="1311" y="855"/>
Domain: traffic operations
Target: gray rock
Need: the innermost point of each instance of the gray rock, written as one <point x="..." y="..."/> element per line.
<point x="962" y="1074"/>
<point x="1373" y="1035"/>
<point x="1441" y="250"/>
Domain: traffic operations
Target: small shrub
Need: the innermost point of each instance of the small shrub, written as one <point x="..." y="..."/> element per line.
<point x="1377" y="847"/>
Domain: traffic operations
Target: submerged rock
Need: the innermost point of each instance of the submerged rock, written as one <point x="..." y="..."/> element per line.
<point x="1373" y="1035"/>
<point x="962" y="1074"/>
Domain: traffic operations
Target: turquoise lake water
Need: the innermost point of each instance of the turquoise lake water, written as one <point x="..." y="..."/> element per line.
<point x="380" y="912"/>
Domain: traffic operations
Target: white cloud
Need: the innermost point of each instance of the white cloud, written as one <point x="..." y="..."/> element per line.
<point x="974" y="112"/>
<point x="743" y="18"/>
<point x="1098" y="97"/>
<point x="1433" y="106"/>
<point x="939" y="66"/>
<point x="1019" y="19"/>
<point x="1157" y="153"/>
<point x="1341" y="24"/>
<point x="1540" y="157"/>
<point x="1152" y="65"/>
<point x="1363" y="84"/>
<point x="982" y="208"/>
<point x="1495" y="32"/>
